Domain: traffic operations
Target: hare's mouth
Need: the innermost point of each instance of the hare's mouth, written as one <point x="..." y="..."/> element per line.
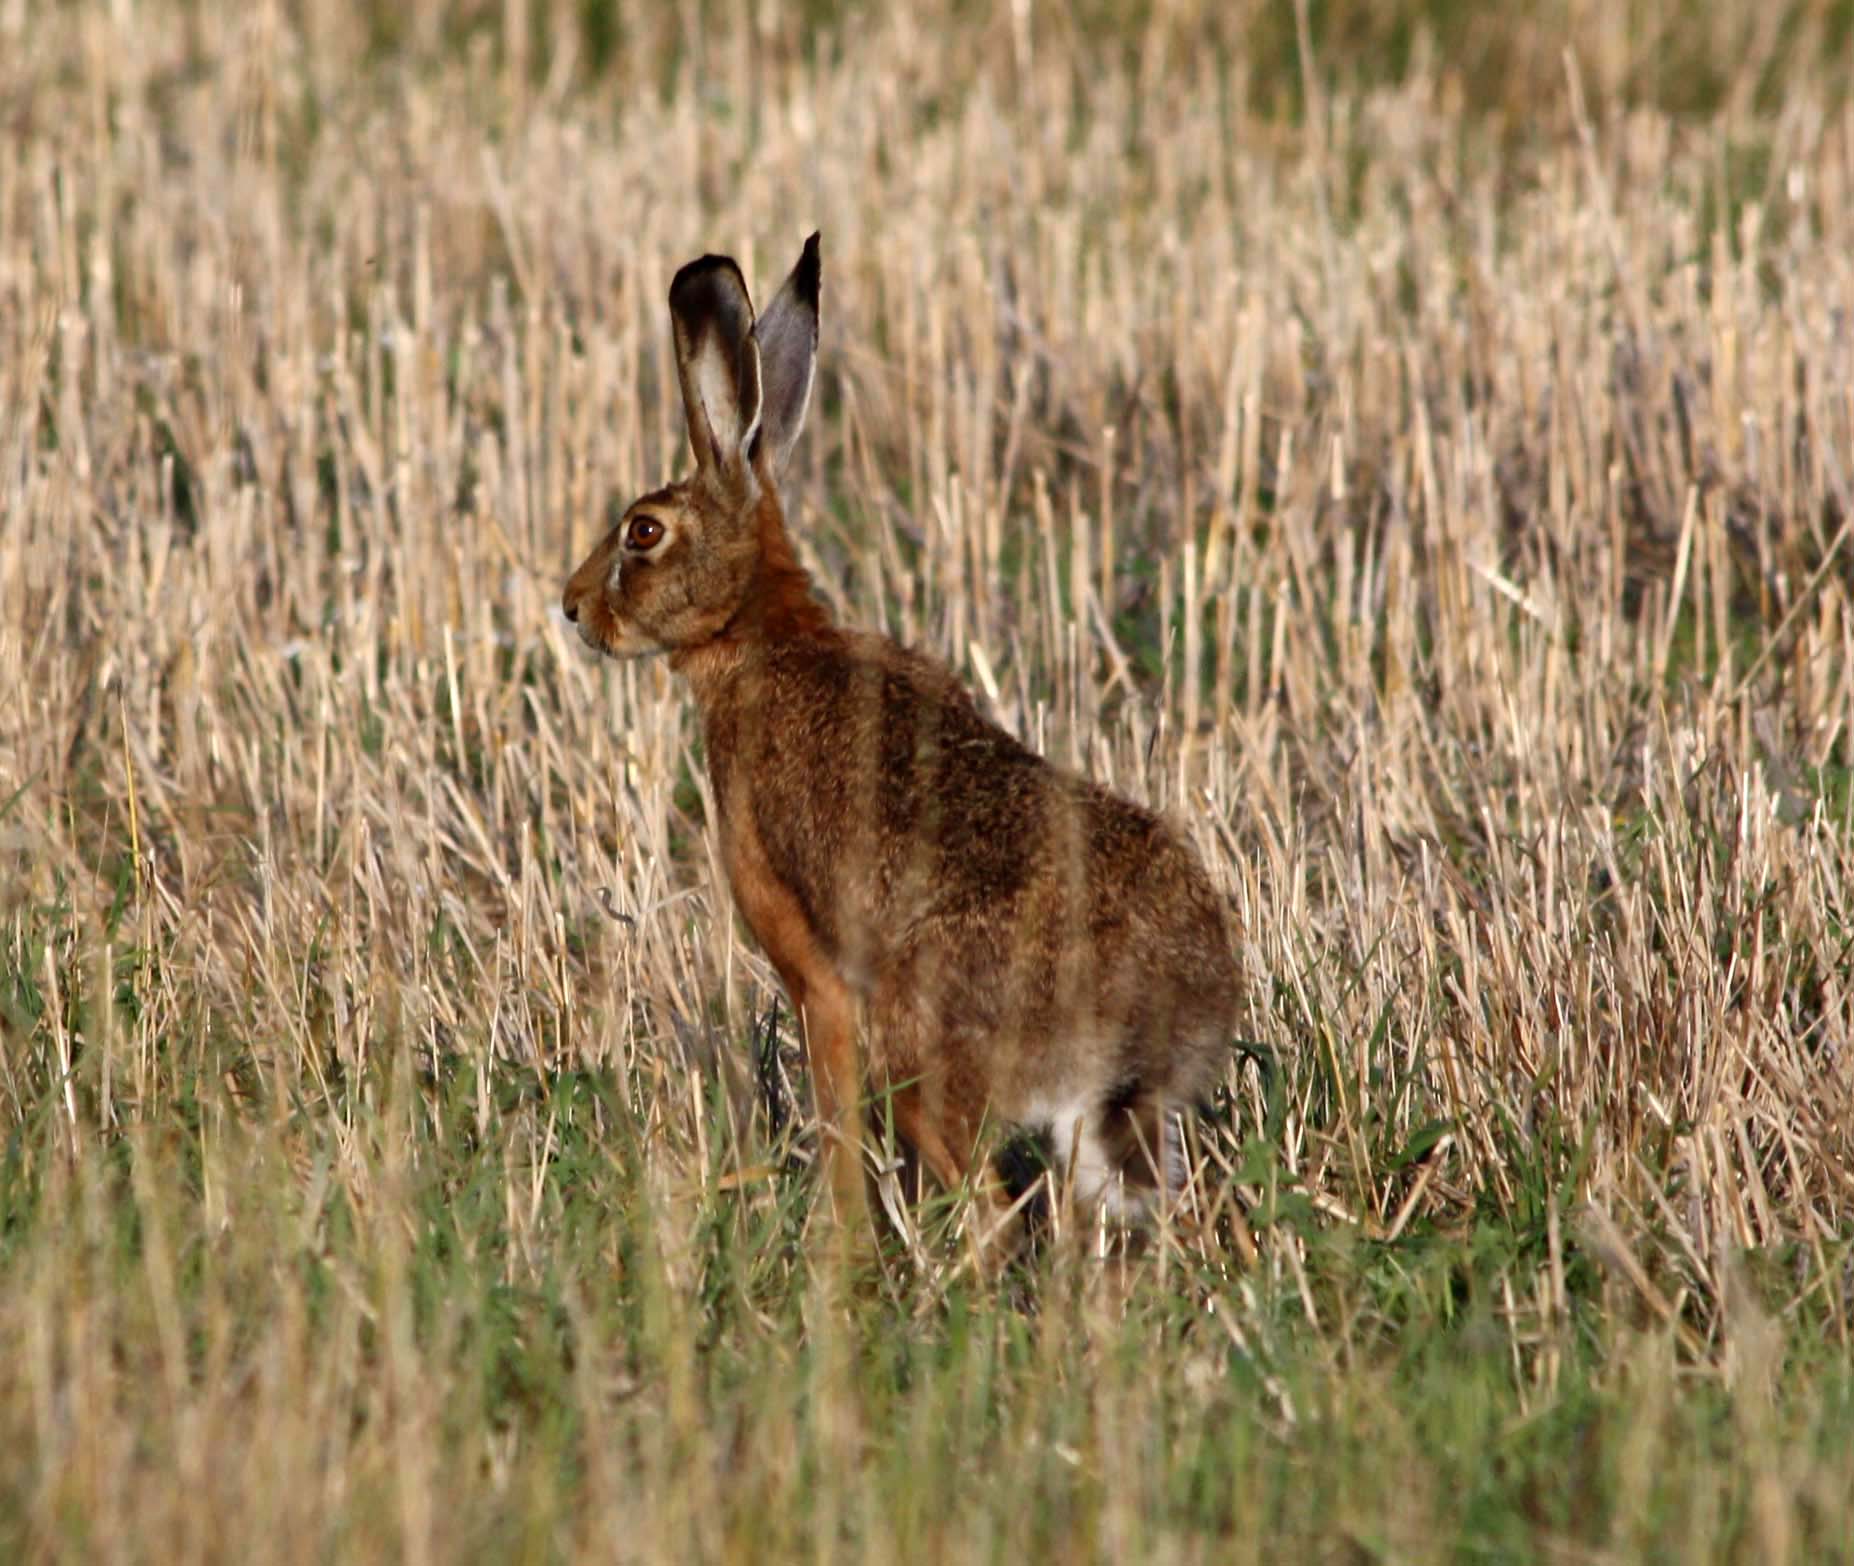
<point x="614" y="640"/>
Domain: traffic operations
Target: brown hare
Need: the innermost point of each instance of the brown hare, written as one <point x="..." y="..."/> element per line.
<point x="1021" y="944"/>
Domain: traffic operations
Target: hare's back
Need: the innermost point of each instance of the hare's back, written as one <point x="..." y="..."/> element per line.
<point x="916" y="808"/>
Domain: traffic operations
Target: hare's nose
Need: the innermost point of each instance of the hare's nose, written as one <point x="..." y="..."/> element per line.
<point x="570" y="608"/>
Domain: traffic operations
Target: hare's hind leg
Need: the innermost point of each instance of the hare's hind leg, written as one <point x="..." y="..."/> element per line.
<point x="944" y="1133"/>
<point x="1141" y="1147"/>
<point x="947" y="1159"/>
<point x="945" y="1136"/>
<point x="940" y="1100"/>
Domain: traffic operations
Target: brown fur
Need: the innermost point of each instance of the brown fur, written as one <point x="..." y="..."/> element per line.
<point x="1018" y="940"/>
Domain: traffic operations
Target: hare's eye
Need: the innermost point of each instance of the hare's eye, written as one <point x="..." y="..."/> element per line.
<point x="643" y="533"/>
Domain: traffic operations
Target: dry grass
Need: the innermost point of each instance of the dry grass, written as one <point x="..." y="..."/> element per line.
<point x="1440" y="501"/>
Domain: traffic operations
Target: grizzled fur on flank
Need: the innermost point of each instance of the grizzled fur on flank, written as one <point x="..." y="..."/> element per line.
<point x="1014" y="943"/>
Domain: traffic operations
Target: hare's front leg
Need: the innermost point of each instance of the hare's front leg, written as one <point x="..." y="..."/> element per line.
<point x="827" y="1014"/>
<point x="823" y="1003"/>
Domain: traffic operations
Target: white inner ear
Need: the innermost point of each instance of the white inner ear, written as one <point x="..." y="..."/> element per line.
<point x="714" y="381"/>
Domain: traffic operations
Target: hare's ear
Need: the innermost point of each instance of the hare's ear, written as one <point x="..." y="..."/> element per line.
<point x="787" y="334"/>
<point x="718" y="363"/>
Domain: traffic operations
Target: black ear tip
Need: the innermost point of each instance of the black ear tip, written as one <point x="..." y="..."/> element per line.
<point x="706" y="277"/>
<point x="809" y="270"/>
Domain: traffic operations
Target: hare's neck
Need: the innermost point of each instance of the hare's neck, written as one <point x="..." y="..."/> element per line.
<point x="713" y="671"/>
<point x="779" y="601"/>
<point x="737" y="692"/>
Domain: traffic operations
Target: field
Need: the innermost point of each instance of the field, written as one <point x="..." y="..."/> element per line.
<point x="1412" y="444"/>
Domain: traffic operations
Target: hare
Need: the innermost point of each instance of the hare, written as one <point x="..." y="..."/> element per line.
<point x="1022" y="945"/>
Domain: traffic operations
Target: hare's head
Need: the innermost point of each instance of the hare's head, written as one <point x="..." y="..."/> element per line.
<point x="683" y="561"/>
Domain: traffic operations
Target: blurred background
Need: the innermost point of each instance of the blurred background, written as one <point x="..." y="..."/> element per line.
<point x="1411" y="443"/>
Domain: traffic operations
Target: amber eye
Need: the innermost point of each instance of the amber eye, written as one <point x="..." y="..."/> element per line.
<point x="643" y="533"/>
